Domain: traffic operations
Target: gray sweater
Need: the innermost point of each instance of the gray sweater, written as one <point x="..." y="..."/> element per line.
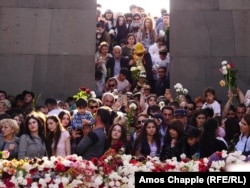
<point x="92" y="145"/>
<point x="30" y="148"/>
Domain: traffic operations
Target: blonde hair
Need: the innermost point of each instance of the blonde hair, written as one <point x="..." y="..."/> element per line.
<point x="10" y="122"/>
<point x="120" y="119"/>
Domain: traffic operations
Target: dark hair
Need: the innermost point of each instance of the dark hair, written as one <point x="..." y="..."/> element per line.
<point x="128" y="15"/>
<point x="153" y="109"/>
<point x="62" y="113"/>
<point x="131" y="35"/>
<point x="123" y="135"/>
<point x="177" y="125"/>
<point x="124" y="71"/>
<point x="4" y="92"/>
<point x="81" y="102"/>
<point x="100" y="24"/>
<point x="142" y="139"/>
<point x="51" y="101"/>
<point x="18" y="97"/>
<point x="105" y="115"/>
<point x="208" y="137"/>
<point x="246" y="117"/>
<point x="209" y="112"/>
<point x="52" y="136"/>
<point x="41" y="124"/>
<point x="209" y="90"/>
<point x="232" y="129"/>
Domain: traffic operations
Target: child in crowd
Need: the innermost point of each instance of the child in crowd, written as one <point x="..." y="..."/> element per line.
<point x="81" y="117"/>
<point x="211" y="101"/>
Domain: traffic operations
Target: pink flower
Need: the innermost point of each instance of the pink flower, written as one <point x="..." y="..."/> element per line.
<point x="6" y="154"/>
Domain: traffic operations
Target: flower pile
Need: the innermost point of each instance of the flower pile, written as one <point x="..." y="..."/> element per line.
<point x="110" y="170"/>
<point x="180" y="90"/>
<point x="84" y="93"/>
<point x="229" y="75"/>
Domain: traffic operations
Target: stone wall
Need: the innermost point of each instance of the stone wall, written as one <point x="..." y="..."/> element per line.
<point x="47" y="46"/>
<point x="203" y="33"/>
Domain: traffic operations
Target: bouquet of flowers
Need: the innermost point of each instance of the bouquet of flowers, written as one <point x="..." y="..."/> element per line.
<point x="180" y="90"/>
<point x="131" y="114"/>
<point x="229" y="75"/>
<point x="84" y="93"/>
<point x="135" y="71"/>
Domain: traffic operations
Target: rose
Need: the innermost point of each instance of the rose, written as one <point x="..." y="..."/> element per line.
<point x="5" y="154"/>
<point x="161" y="33"/>
<point x="222" y="83"/>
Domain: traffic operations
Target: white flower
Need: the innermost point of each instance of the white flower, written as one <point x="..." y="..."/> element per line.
<point x="224" y="62"/>
<point x="178" y="86"/>
<point x="141" y="68"/>
<point x="161" y="104"/>
<point x="92" y="94"/>
<point x="133" y="106"/>
<point x="185" y="91"/>
<point x="133" y="68"/>
<point x="183" y="156"/>
<point x="224" y="72"/>
<point x="161" y="33"/>
<point x="111" y="183"/>
<point x="111" y="32"/>
<point x="98" y="181"/>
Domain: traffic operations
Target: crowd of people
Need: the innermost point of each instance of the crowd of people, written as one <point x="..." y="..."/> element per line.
<point x="133" y="110"/>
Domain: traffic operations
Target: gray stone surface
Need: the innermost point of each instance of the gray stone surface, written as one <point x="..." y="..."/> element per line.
<point x="203" y="33"/>
<point x="62" y="76"/>
<point x="16" y="73"/>
<point x="25" y="30"/>
<point x="51" y="4"/>
<point x="70" y="34"/>
<point x="47" y="46"/>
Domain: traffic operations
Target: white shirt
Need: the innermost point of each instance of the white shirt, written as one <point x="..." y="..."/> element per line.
<point x="215" y="106"/>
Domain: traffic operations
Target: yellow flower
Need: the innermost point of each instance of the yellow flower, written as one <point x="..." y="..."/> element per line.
<point x="229" y="66"/>
<point x="222" y="83"/>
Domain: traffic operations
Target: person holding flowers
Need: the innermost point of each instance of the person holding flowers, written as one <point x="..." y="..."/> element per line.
<point x="229" y="75"/>
<point x="9" y="141"/>
<point x="143" y="61"/>
<point x="116" y="138"/>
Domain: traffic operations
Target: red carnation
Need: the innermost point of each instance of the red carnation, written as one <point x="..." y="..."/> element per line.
<point x="88" y="91"/>
<point x="29" y="181"/>
<point x="60" y="167"/>
<point x="231" y="65"/>
<point x="83" y="88"/>
<point x="133" y="161"/>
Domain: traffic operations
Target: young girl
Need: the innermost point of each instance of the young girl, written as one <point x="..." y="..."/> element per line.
<point x="57" y="138"/>
<point x="117" y="137"/>
<point x="211" y="101"/>
<point x="148" y="143"/>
